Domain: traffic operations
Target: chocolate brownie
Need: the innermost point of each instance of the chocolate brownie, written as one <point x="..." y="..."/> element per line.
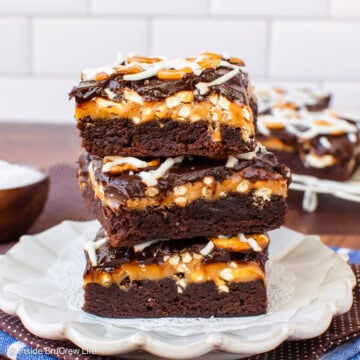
<point x="145" y="107"/>
<point x="299" y="99"/>
<point x="321" y="144"/>
<point x="138" y="200"/>
<point x="203" y="277"/>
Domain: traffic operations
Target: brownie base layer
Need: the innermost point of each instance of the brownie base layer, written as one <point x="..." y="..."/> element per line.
<point x="150" y="299"/>
<point x="339" y="172"/>
<point x="235" y="213"/>
<point x="159" y="138"/>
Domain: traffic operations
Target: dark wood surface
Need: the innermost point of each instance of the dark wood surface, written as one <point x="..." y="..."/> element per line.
<point x="337" y="221"/>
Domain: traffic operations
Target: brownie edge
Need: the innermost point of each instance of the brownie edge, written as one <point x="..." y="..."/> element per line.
<point x="160" y="138"/>
<point x="150" y="299"/>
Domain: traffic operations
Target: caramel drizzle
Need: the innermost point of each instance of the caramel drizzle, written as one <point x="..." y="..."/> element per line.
<point x="192" y="272"/>
<point x="235" y="244"/>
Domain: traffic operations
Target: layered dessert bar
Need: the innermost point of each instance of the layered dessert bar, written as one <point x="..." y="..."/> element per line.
<point x="202" y="277"/>
<point x="144" y="107"/>
<point x="137" y="200"/>
<point x="299" y="99"/>
<point x="323" y="144"/>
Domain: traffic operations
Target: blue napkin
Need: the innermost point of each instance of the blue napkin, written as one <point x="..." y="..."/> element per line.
<point x="354" y="255"/>
<point x="347" y="351"/>
<point x="14" y="349"/>
<point x="17" y="350"/>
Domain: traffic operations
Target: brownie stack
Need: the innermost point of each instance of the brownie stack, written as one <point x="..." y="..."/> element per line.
<point x="184" y="193"/>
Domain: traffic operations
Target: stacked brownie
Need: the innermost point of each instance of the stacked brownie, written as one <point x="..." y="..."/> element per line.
<point x="307" y="136"/>
<point x="182" y="190"/>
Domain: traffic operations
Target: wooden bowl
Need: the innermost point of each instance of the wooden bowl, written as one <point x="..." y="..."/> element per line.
<point x="20" y="207"/>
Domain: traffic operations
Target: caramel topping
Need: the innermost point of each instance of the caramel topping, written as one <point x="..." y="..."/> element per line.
<point x="119" y="70"/>
<point x="338" y="132"/>
<point x="285" y="106"/>
<point x="274" y="125"/>
<point x="193" y="272"/>
<point x="211" y="55"/>
<point x="101" y="76"/>
<point x="143" y="59"/>
<point x="279" y="90"/>
<point x="236" y="61"/>
<point x="124" y="70"/>
<point x="235" y="244"/>
<point x="322" y="122"/>
<point x="118" y="169"/>
<point x="276" y="144"/>
<point x="170" y="74"/>
<point x="209" y="63"/>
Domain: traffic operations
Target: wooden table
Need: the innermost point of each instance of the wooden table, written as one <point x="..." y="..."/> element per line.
<point x="337" y="221"/>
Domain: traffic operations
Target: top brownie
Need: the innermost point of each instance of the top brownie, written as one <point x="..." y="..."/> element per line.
<point x="143" y="106"/>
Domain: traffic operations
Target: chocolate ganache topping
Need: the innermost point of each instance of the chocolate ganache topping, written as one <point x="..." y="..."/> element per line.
<point x="152" y="88"/>
<point x="109" y="257"/>
<point x="262" y="166"/>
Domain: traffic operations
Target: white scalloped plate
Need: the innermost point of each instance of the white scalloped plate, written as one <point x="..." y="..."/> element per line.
<point x="41" y="279"/>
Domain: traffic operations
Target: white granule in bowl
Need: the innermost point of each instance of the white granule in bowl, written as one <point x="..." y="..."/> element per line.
<point x="14" y="176"/>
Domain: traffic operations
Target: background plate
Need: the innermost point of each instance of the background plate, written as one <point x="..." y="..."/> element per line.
<point x="311" y="186"/>
<point x="41" y="282"/>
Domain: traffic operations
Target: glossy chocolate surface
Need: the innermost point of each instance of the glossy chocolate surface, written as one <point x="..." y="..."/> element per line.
<point x="153" y="89"/>
<point x="264" y="166"/>
<point x="109" y="257"/>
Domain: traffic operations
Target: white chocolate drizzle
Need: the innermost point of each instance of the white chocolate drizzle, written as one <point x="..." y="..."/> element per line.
<point x="271" y="97"/>
<point x="91" y="247"/>
<point x="142" y="246"/>
<point x="90" y="74"/>
<point x="321" y="123"/>
<point x="111" y="95"/>
<point x="352" y="138"/>
<point x="204" y="87"/>
<point x="252" y="154"/>
<point x="149" y="70"/>
<point x="319" y="161"/>
<point x="349" y="115"/>
<point x="150" y="178"/>
<point x="231" y="161"/>
<point x="325" y="142"/>
<point x="251" y="241"/>
<point x="262" y="128"/>
<point x="152" y="71"/>
<point x="207" y="249"/>
<point x="111" y="161"/>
